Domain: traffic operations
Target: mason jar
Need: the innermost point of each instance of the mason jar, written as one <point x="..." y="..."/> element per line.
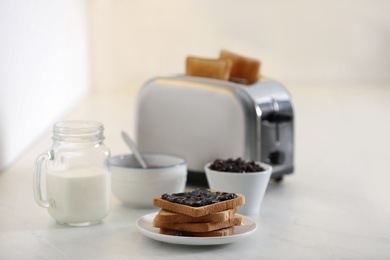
<point x="76" y="170"/>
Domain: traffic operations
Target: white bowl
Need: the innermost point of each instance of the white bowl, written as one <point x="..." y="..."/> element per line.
<point x="252" y="185"/>
<point x="136" y="187"/>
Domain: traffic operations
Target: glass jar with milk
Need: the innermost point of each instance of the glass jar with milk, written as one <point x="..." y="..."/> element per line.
<point x="77" y="174"/>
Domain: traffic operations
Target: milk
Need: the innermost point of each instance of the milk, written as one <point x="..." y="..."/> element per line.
<point x="80" y="195"/>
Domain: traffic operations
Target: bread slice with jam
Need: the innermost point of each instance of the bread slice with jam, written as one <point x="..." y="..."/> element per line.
<point x="199" y="202"/>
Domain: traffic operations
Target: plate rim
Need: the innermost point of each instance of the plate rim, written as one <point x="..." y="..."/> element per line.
<point x="198" y="241"/>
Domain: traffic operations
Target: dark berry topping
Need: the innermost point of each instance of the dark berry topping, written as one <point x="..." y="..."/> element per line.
<point x="238" y="165"/>
<point x="199" y="197"/>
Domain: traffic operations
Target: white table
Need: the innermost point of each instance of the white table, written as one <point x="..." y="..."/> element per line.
<point x="335" y="206"/>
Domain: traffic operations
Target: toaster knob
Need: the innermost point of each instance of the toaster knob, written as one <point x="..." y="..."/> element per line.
<point x="276" y="157"/>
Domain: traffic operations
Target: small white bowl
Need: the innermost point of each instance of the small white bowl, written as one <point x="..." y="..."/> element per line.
<point x="252" y="185"/>
<point x="136" y="187"/>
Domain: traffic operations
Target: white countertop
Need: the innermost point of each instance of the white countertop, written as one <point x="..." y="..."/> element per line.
<point x="336" y="205"/>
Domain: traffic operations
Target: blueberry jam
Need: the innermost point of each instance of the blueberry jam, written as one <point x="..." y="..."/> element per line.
<point x="238" y="165"/>
<point x="198" y="197"/>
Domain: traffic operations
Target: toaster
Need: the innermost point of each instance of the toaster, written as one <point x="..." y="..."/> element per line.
<point x="203" y="119"/>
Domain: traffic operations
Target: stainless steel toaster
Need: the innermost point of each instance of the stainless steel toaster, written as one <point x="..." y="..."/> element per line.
<point x="204" y="119"/>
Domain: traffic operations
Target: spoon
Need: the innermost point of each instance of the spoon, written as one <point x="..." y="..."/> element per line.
<point x="134" y="148"/>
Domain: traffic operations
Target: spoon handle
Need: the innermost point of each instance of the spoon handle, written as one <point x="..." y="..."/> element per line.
<point x="134" y="148"/>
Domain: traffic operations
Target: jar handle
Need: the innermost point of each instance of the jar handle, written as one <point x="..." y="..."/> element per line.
<point x="37" y="180"/>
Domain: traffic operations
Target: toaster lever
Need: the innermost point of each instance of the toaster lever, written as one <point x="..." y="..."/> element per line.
<point x="276" y="117"/>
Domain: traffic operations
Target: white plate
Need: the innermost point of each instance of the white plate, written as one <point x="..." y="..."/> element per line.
<point x="144" y="225"/>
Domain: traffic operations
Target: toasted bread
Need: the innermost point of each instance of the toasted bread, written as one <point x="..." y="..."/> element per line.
<point x="199" y="227"/>
<point x="244" y="70"/>
<point x="199" y="211"/>
<point x="173" y="217"/>
<point x="215" y="233"/>
<point x="208" y="68"/>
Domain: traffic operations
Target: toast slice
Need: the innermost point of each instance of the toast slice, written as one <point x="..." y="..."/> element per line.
<point x="216" y="233"/>
<point x="244" y="70"/>
<point x="208" y="68"/>
<point x="199" y="211"/>
<point x="173" y="217"/>
<point x="199" y="227"/>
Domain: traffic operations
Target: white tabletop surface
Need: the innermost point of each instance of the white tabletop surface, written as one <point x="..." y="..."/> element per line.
<point x="336" y="205"/>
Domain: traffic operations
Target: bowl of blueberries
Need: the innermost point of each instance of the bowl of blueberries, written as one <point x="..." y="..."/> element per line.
<point x="249" y="178"/>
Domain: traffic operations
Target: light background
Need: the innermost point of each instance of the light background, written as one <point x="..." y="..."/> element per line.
<point x="55" y="53"/>
<point x="299" y="42"/>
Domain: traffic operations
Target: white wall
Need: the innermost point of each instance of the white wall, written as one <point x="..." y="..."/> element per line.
<point x="44" y="68"/>
<point x="299" y="41"/>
